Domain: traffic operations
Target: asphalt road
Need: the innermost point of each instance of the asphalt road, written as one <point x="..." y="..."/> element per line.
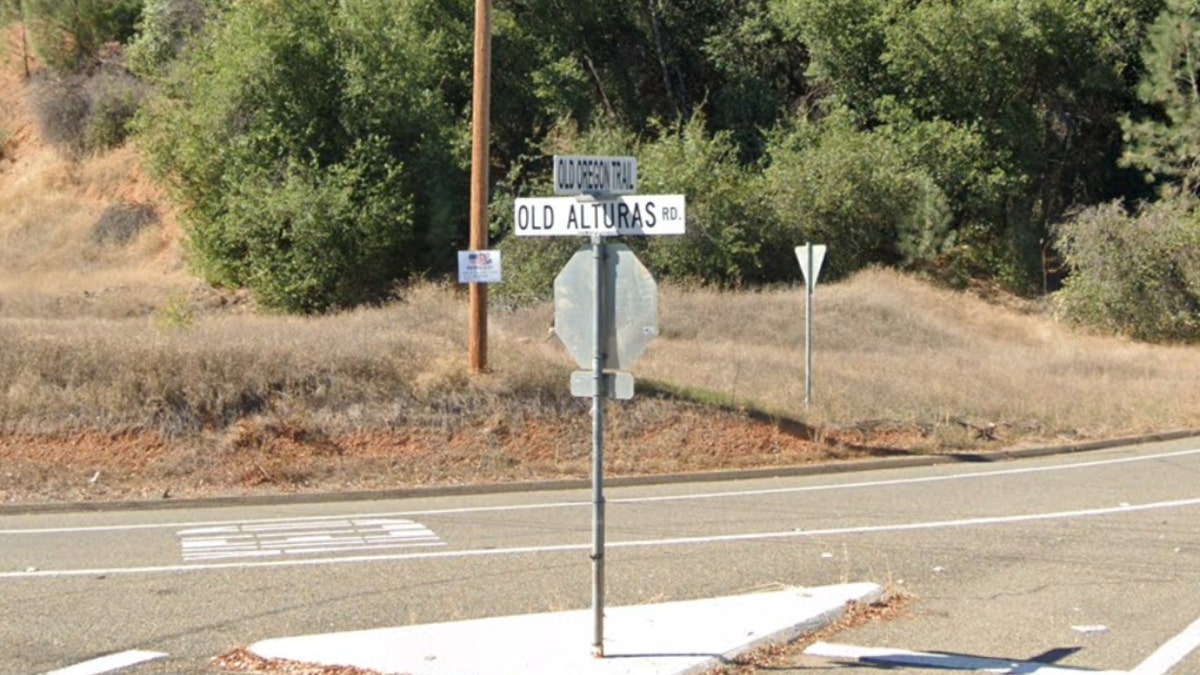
<point x="1088" y="560"/>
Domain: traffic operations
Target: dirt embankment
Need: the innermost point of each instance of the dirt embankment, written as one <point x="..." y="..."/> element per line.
<point x="258" y="458"/>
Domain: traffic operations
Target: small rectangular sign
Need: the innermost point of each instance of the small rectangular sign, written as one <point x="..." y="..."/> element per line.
<point x="592" y="175"/>
<point x="617" y="385"/>
<point x="478" y="267"/>
<point x="631" y="215"/>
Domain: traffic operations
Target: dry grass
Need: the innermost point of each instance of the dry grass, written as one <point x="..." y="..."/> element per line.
<point x="189" y="370"/>
<point x="51" y="266"/>
<point x="889" y="348"/>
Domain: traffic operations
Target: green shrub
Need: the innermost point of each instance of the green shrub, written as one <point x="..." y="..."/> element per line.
<point x="115" y="97"/>
<point x="530" y="263"/>
<point x="67" y="34"/>
<point x="733" y="237"/>
<point x="321" y="238"/>
<point x="530" y="266"/>
<point x="856" y="192"/>
<point x="165" y="27"/>
<point x="1137" y="275"/>
<point x="312" y="150"/>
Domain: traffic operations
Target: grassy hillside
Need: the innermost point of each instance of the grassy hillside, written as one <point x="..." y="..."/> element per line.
<point x="122" y="376"/>
<point x="58" y="255"/>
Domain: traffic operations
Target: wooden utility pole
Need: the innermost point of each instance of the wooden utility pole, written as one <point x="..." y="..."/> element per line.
<point x="480" y="123"/>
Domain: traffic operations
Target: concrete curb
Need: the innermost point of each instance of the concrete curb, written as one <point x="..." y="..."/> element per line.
<point x="687" y="637"/>
<point x="834" y="467"/>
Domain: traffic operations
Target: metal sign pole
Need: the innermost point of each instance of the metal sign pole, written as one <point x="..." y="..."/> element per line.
<point x="605" y="203"/>
<point x="809" y="282"/>
<point x="598" y="255"/>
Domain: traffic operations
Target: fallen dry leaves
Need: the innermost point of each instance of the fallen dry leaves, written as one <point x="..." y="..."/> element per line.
<point x="242" y="660"/>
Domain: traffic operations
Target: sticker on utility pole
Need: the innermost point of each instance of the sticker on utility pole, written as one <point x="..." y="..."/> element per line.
<point x="478" y="267"/>
<point x="817" y="255"/>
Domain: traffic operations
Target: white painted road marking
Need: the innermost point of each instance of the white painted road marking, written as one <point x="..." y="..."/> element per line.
<point x="1160" y="662"/>
<point x="302" y="537"/>
<point x="901" y="657"/>
<point x="1174" y="651"/>
<point x="107" y="664"/>
<point x="644" y="543"/>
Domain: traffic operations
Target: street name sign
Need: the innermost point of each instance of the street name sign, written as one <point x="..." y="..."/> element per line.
<point x="629" y="215"/>
<point x="590" y="174"/>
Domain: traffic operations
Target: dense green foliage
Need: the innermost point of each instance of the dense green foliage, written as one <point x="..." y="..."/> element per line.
<point x="733" y="236"/>
<point x="1136" y="274"/>
<point x="1037" y="86"/>
<point x="165" y="27"/>
<point x="320" y="147"/>
<point x="1168" y="144"/>
<point x="1139" y="273"/>
<point x="67" y="34"/>
<point x="314" y="148"/>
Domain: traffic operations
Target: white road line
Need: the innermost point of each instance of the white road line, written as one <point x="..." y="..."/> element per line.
<point x="107" y="664"/>
<point x="732" y="494"/>
<point x="901" y="657"/>
<point x="1175" y="650"/>
<point x="680" y="541"/>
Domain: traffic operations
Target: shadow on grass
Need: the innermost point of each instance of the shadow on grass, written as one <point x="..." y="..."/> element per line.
<point x="837" y="438"/>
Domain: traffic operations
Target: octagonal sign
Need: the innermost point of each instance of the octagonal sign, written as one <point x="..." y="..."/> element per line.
<point x="629" y="314"/>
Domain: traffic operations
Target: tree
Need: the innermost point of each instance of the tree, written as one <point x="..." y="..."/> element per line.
<point x="732" y="235"/>
<point x="1166" y="143"/>
<point x="856" y="191"/>
<point x="639" y="63"/>
<point x="1042" y="83"/>
<point x="313" y="148"/>
<point x="66" y="33"/>
<point x="758" y="75"/>
<point x="165" y="27"/>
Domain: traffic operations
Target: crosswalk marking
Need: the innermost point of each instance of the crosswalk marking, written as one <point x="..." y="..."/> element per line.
<point x="301" y="537"/>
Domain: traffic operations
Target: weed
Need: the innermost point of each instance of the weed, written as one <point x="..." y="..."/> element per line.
<point x="62" y="106"/>
<point x="115" y="97"/>
<point x="175" y="313"/>
<point x="86" y="113"/>
<point x="120" y="223"/>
